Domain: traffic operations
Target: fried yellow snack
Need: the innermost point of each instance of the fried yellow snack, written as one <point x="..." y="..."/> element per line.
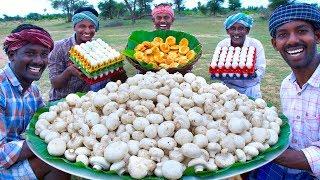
<point x="165" y="53"/>
<point x="184" y="42"/>
<point x="164" y="47"/>
<point x="191" y="54"/>
<point x="170" y="40"/>
<point x="165" y="66"/>
<point x="139" y="55"/>
<point x="140" y="47"/>
<point x="173" y="55"/>
<point x="184" y="50"/>
<point x="183" y="60"/>
<point x="174" y="47"/>
<point x="148" y="51"/>
<point x="157" y="40"/>
<point x="174" y="65"/>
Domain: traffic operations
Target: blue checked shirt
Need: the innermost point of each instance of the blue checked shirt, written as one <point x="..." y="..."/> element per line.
<point x="16" y="110"/>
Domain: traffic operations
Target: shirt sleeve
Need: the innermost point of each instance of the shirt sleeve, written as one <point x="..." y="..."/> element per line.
<point x="261" y="61"/>
<point x="56" y="63"/>
<point x="312" y="154"/>
<point x="9" y="151"/>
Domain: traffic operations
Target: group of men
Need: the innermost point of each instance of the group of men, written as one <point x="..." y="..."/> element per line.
<point x="295" y="33"/>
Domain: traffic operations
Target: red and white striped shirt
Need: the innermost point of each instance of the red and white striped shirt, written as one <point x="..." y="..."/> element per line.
<point x="302" y="107"/>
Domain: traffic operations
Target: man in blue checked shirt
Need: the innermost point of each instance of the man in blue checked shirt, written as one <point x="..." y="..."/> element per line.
<point x="27" y="47"/>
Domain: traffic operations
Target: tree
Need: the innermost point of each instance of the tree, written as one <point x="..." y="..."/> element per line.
<point x="275" y="3"/>
<point x="34" y="16"/>
<point x="202" y="8"/>
<point x="214" y="6"/>
<point x="131" y="6"/>
<point x="179" y="5"/>
<point x="111" y="9"/>
<point x="107" y="8"/>
<point x="234" y="4"/>
<point x="144" y="6"/>
<point x="68" y="6"/>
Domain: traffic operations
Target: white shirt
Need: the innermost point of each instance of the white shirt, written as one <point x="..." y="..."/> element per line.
<point x="249" y="87"/>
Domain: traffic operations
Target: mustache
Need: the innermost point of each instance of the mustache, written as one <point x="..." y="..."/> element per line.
<point x="299" y="45"/>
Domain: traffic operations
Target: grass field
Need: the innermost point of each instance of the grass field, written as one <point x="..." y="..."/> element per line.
<point x="209" y="31"/>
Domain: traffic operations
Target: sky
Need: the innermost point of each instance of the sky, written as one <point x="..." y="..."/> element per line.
<point x="24" y="7"/>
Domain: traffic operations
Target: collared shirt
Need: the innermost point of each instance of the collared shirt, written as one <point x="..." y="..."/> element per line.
<point x="58" y="62"/>
<point x="302" y="107"/>
<point x="16" y="110"/>
<point x="242" y="86"/>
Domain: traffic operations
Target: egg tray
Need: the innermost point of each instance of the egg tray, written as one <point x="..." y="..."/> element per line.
<point x="101" y="68"/>
<point x="99" y="72"/>
<point x="243" y="70"/>
<point x="227" y="77"/>
<point x="115" y="73"/>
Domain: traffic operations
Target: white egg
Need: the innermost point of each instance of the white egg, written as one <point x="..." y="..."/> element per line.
<point x="213" y="64"/>
<point x="220" y="65"/>
<point x="245" y="75"/>
<point x="244" y="49"/>
<point x="231" y="49"/>
<point x="237" y="49"/>
<point x="249" y="60"/>
<point x="238" y="75"/>
<point x="224" y="74"/>
<point x="231" y="74"/>
<point x="241" y="64"/>
<point x="227" y="65"/>
<point x="234" y="65"/>
<point x="249" y="65"/>
<point x="225" y="49"/>
<point x="216" y="74"/>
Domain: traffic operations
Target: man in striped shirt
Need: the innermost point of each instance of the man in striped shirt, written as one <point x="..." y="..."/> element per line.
<point x="27" y="47"/>
<point x="295" y="31"/>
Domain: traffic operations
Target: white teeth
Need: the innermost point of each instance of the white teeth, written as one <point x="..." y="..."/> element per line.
<point x="236" y="37"/>
<point x="293" y="52"/>
<point x="163" y="25"/>
<point x="34" y="69"/>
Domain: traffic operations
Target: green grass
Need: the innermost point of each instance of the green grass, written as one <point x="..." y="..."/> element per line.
<point x="209" y="31"/>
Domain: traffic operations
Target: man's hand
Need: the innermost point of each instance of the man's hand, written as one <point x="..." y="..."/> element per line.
<point x="72" y="70"/>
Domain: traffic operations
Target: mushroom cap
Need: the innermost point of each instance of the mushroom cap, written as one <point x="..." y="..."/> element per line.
<point x="172" y="169"/>
<point x="191" y="150"/>
<point x="116" y="151"/>
<point x="57" y="147"/>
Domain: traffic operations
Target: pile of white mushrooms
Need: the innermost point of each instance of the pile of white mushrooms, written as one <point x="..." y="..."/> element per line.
<point x="159" y="123"/>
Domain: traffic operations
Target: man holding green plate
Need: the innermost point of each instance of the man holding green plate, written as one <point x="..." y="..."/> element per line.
<point x="295" y="31"/>
<point x="27" y="47"/>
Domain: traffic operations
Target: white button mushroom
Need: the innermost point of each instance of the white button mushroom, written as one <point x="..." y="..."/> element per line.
<point x="57" y="147"/>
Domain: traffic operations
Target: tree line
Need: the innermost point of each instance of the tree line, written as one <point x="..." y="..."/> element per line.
<point x="137" y="9"/>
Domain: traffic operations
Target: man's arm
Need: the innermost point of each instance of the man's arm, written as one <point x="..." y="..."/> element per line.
<point x="62" y="79"/>
<point x="260" y="61"/>
<point x="293" y="159"/>
<point x="9" y="151"/>
<point x="58" y="73"/>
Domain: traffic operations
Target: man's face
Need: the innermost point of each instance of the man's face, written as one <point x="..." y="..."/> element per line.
<point x="29" y="62"/>
<point x="297" y="43"/>
<point x="237" y="33"/>
<point x="162" y="21"/>
<point x="85" y="30"/>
